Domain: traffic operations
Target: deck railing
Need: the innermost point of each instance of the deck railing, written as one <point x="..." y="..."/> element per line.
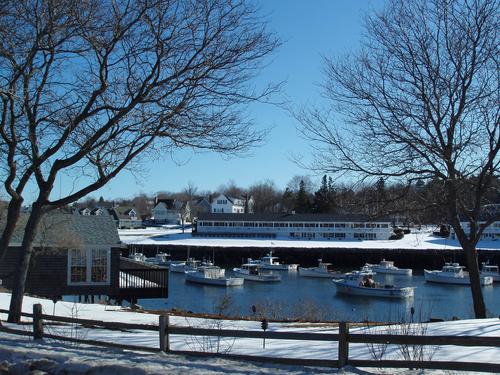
<point x="344" y="338"/>
<point x="143" y="278"/>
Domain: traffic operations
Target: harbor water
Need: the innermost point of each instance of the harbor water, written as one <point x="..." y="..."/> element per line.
<point x="297" y="297"/>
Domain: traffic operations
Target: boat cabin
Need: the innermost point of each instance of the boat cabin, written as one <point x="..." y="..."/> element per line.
<point x="386" y="264"/>
<point x="269" y="259"/>
<point x="454" y="268"/>
<point x="486" y="267"/>
<point x="210" y="272"/>
<point x="250" y="268"/>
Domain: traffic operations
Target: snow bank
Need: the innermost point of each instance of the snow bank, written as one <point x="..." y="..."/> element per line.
<point x="274" y="348"/>
<point x="423" y="239"/>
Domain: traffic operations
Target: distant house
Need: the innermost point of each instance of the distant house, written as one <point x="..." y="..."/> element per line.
<point x="99" y="211"/>
<point x="232" y="205"/>
<point x="492" y="231"/>
<point x="79" y="255"/>
<point x="171" y="211"/>
<point x="84" y="211"/>
<point x="297" y="226"/>
<point x="125" y="217"/>
<point x="199" y="206"/>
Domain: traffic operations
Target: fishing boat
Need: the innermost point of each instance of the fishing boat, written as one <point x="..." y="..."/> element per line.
<point x="212" y="275"/>
<point x="361" y="283"/>
<point x="321" y="270"/>
<point x="269" y="262"/>
<point x="160" y="259"/>
<point x="138" y="257"/>
<point x="491" y="271"/>
<point x="388" y="267"/>
<point x="189" y="265"/>
<point x="252" y="272"/>
<point x="453" y="273"/>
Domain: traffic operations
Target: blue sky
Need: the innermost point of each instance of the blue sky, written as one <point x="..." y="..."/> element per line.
<point x="309" y="30"/>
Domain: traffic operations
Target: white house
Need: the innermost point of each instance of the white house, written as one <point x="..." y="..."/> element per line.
<point x="491" y="232"/>
<point x="227" y="204"/>
<point x="171" y="211"/>
<point x="125" y="217"/>
<point x="84" y="211"/>
<point x="299" y="226"/>
<point x="99" y="211"/>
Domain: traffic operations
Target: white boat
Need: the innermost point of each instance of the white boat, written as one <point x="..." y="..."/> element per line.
<point x="252" y="272"/>
<point x="360" y="283"/>
<point x="322" y="270"/>
<point x="453" y="273"/>
<point x="491" y="271"/>
<point x="388" y="267"/>
<point x="269" y="262"/>
<point x="212" y="275"/>
<point x="160" y="259"/>
<point x="189" y="265"/>
<point x="138" y="257"/>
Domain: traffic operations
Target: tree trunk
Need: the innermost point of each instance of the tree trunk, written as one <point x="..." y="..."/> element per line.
<point x="16" y="301"/>
<point x="13" y="212"/>
<point x="475" y="281"/>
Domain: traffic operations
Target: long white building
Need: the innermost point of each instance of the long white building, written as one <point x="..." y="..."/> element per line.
<point x="298" y="226"/>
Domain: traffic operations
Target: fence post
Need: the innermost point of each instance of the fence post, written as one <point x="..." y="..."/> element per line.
<point x="343" y="344"/>
<point x="164" y="339"/>
<point x="37" y="322"/>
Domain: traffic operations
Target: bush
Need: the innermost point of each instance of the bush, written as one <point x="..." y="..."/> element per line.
<point x="397" y="235"/>
<point x="406" y="231"/>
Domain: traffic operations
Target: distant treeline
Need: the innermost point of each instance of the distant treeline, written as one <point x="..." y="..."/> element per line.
<point x="419" y="202"/>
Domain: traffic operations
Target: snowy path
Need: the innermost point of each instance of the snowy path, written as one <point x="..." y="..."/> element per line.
<point x="274" y="348"/>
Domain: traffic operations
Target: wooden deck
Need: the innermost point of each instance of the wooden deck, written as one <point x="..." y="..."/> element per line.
<point x="138" y="280"/>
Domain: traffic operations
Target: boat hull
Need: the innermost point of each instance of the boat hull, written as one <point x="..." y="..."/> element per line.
<point x="392" y="271"/>
<point x="437" y="277"/>
<point x="278" y="267"/>
<point x="180" y="268"/>
<point x="258" y="278"/>
<point x="224" y="281"/>
<point x="494" y="276"/>
<point x="346" y="288"/>
<point x="313" y="272"/>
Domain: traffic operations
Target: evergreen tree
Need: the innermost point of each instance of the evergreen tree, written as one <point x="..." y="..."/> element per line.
<point x="288" y="200"/>
<point x="302" y="202"/>
<point x="321" y="202"/>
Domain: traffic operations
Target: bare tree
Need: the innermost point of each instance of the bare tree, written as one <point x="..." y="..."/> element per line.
<point x="420" y="101"/>
<point x="266" y="197"/>
<point x="231" y="189"/>
<point x="90" y="88"/>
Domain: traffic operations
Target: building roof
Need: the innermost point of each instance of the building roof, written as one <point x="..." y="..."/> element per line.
<point x="171" y="204"/>
<point x="67" y="230"/>
<point x="292" y="217"/>
<point x="121" y="212"/>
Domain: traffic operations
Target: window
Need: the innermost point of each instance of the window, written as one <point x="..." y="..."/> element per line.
<point x="78" y="265"/>
<point x="99" y="272"/>
<point x="89" y="266"/>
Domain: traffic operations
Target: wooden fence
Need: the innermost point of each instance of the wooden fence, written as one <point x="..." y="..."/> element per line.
<point x="344" y="338"/>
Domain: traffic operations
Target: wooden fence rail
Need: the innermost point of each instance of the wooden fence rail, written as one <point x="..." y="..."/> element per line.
<point x="344" y="338"/>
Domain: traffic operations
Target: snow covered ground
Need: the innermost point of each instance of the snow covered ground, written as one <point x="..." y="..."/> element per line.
<point x="80" y="358"/>
<point x="173" y="236"/>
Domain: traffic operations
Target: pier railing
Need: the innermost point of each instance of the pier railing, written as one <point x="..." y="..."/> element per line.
<point x="342" y="358"/>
